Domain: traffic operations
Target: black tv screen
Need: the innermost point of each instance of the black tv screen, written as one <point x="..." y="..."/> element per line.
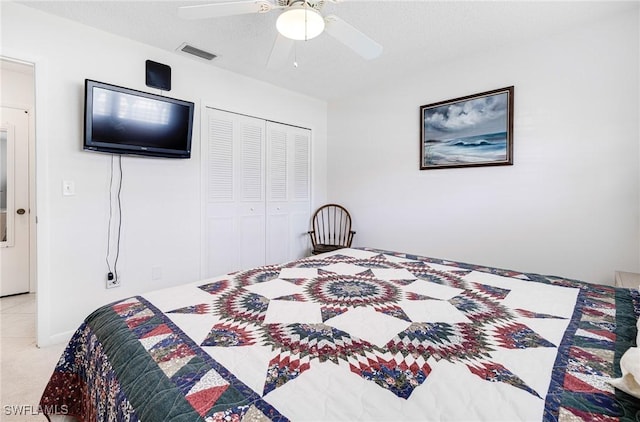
<point x="126" y="121"/>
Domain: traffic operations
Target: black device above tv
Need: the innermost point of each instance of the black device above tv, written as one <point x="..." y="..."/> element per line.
<point x="120" y="120"/>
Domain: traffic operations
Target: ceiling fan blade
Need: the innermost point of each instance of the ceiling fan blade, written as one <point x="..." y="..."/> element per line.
<point x="352" y="38"/>
<point x="229" y="8"/>
<point x="280" y="52"/>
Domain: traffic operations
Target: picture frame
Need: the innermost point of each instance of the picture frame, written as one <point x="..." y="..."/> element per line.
<point x="471" y="131"/>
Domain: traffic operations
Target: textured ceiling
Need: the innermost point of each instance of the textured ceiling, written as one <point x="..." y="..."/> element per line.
<point x="415" y="34"/>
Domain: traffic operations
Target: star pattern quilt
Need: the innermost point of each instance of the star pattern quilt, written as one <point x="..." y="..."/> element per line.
<point x="356" y="334"/>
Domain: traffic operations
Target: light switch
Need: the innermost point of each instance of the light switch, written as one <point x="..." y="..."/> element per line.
<point x="68" y="187"/>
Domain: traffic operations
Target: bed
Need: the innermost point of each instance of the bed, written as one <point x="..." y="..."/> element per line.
<point x="355" y="334"/>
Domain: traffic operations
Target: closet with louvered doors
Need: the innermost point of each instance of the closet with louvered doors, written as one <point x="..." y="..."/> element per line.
<point x="256" y="189"/>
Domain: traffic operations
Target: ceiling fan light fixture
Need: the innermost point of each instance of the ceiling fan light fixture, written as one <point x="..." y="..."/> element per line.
<point x="300" y="23"/>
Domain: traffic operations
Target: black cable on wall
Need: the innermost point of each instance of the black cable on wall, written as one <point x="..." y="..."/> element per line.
<point x="112" y="275"/>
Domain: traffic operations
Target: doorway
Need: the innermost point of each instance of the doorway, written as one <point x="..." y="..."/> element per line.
<point x="17" y="213"/>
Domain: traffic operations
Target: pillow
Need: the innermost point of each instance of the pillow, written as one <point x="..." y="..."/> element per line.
<point x="630" y="367"/>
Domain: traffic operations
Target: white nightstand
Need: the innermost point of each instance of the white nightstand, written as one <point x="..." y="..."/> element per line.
<point x="628" y="280"/>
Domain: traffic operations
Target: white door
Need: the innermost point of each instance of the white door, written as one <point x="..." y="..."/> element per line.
<point x="288" y="192"/>
<point x="256" y="177"/>
<point x="300" y="197"/>
<point x="14" y="201"/>
<point x="234" y="191"/>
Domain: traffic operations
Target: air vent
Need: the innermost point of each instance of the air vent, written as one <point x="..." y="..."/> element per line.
<point x="189" y="49"/>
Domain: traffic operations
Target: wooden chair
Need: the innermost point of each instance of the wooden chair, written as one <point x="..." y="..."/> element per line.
<point x="331" y="229"/>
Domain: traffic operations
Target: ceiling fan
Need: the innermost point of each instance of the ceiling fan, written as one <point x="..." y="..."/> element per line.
<point x="299" y="20"/>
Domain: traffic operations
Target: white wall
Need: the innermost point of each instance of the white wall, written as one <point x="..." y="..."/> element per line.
<point x="161" y="198"/>
<point x="17" y="84"/>
<point x="568" y="206"/>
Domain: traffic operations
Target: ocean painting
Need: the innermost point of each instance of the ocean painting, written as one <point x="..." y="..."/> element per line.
<point x="470" y="131"/>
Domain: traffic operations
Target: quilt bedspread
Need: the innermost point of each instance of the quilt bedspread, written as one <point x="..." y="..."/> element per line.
<point x="357" y="334"/>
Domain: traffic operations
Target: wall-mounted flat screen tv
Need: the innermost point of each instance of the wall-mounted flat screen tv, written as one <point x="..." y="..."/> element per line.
<point x="120" y="120"/>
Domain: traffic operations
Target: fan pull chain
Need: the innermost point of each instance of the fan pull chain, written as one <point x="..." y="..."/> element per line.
<point x="295" y="46"/>
<point x="306" y="11"/>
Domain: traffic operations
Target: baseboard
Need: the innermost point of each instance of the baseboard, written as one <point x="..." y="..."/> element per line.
<point x="56" y="339"/>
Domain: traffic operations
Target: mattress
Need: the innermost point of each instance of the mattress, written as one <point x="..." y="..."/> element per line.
<point x="355" y="334"/>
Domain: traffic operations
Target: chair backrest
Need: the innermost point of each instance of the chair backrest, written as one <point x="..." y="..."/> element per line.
<point x="332" y="225"/>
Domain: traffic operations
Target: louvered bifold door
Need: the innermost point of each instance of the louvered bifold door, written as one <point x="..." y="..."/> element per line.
<point x="288" y="192"/>
<point x="235" y="204"/>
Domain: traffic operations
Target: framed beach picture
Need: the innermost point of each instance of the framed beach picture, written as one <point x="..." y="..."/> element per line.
<point x="471" y="131"/>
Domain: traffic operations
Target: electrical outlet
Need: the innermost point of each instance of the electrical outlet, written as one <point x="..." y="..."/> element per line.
<point x="113" y="280"/>
<point x="68" y="187"/>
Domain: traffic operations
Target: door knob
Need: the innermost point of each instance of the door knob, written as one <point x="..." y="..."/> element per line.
<point x="20" y="211"/>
